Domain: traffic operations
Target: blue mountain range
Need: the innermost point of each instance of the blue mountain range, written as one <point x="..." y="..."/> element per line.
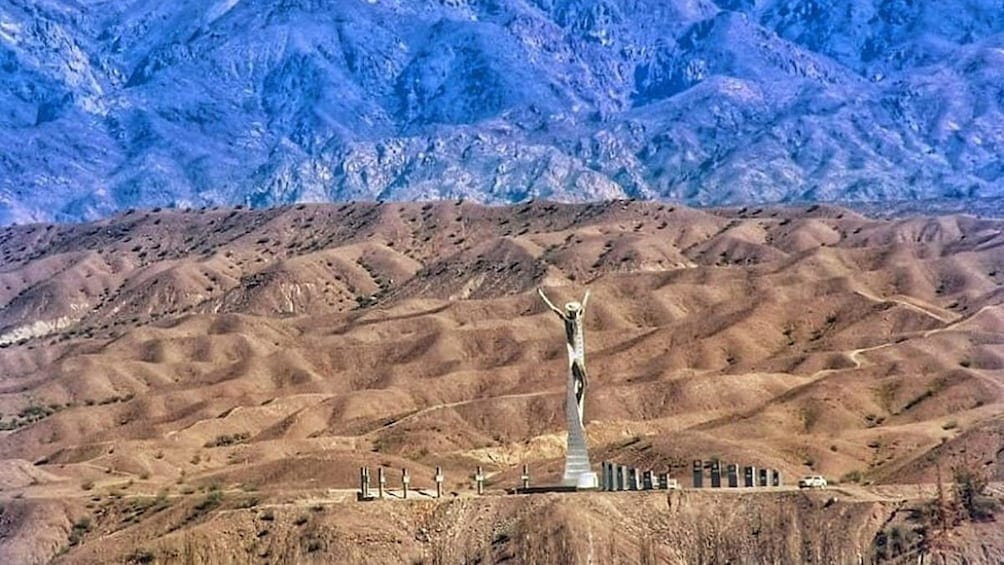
<point x="114" y="104"/>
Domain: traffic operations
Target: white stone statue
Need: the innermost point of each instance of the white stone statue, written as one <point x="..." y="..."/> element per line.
<point x="577" y="470"/>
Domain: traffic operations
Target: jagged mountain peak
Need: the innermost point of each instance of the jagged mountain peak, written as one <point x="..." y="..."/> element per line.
<point x="108" y="105"/>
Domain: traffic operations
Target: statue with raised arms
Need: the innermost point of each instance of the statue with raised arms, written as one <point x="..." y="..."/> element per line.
<point x="577" y="470"/>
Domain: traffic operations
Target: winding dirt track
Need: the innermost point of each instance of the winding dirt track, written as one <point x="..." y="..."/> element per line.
<point x="855" y="356"/>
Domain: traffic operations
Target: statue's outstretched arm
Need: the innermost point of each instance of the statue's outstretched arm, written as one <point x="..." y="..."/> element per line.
<point x="550" y="305"/>
<point x="585" y="299"/>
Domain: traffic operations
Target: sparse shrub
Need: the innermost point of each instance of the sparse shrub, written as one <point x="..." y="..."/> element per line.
<point x="141" y="557"/>
<point x="809" y="415"/>
<point x="314" y="545"/>
<point x="113" y="399"/>
<point x="894" y="541"/>
<point x="852" y="477"/>
<point x="365" y="301"/>
<point x="936" y="386"/>
<point x="789" y="332"/>
<point x="872" y="420"/>
<point x="211" y="501"/>
<point x="970" y="484"/>
<point x="229" y="439"/>
<point x="161" y="502"/>
<point x="34" y="413"/>
<point x="950" y="424"/>
<point x="80" y="528"/>
<point x="87" y="485"/>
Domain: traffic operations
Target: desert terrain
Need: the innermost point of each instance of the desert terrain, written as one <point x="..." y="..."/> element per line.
<point x="202" y="386"/>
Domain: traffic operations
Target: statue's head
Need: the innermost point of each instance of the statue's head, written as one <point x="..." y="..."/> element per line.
<point x="573" y="307"/>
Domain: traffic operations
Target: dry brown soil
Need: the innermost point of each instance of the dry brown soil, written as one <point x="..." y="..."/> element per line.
<point x="169" y="379"/>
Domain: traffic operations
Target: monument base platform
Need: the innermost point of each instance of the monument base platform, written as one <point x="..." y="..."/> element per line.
<point x="587" y="481"/>
<point x="546" y="489"/>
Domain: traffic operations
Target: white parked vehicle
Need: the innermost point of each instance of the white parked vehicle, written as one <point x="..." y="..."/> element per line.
<point x="812" y="481"/>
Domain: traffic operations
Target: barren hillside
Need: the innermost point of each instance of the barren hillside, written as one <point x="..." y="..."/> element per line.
<point x="236" y="360"/>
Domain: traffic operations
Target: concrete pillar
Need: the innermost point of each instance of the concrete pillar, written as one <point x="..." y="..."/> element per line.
<point x="364" y="483"/>
<point x="624" y="478"/>
<point x="762" y="479"/>
<point x="663" y="481"/>
<point x="634" y="482"/>
<point x="439" y="482"/>
<point x="775" y="478"/>
<point x="525" y="477"/>
<point x="698" y="480"/>
<point x="479" y="480"/>
<point x="381" y="482"/>
<point x="646" y="480"/>
<point x="405" y="482"/>
<point x="749" y="476"/>
<point x="716" y="474"/>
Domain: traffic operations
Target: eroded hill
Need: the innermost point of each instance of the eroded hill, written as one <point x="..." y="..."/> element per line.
<point x="269" y="354"/>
